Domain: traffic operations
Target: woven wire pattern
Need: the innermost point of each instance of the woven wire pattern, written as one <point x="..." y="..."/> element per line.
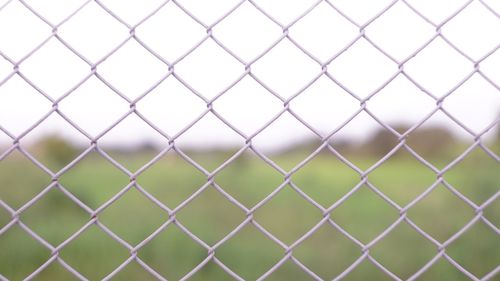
<point x="246" y="71"/>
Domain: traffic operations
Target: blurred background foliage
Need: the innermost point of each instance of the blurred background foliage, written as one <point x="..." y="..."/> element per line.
<point x="288" y="216"/>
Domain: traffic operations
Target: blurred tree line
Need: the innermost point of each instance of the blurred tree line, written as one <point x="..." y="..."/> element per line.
<point x="428" y="142"/>
<point x="431" y="142"/>
<point x="56" y="150"/>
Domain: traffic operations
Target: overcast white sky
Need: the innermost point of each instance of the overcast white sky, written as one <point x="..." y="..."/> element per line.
<point x="247" y="33"/>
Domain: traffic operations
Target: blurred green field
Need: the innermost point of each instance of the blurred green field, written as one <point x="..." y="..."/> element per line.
<point x="249" y="253"/>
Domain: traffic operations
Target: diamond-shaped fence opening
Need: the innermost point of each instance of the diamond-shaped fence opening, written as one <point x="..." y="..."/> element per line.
<point x="249" y="140"/>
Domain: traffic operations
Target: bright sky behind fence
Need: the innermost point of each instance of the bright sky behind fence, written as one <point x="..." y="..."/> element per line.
<point x="285" y="69"/>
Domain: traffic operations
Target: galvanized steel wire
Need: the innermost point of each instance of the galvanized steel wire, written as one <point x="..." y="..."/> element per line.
<point x="246" y="71"/>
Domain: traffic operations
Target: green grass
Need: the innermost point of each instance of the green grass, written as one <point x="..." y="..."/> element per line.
<point x="249" y="253"/>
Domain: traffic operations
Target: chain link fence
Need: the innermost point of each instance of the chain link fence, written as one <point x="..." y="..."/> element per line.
<point x="323" y="67"/>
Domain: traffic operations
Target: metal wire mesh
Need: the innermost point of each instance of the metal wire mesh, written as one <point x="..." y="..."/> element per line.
<point x="246" y="71"/>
